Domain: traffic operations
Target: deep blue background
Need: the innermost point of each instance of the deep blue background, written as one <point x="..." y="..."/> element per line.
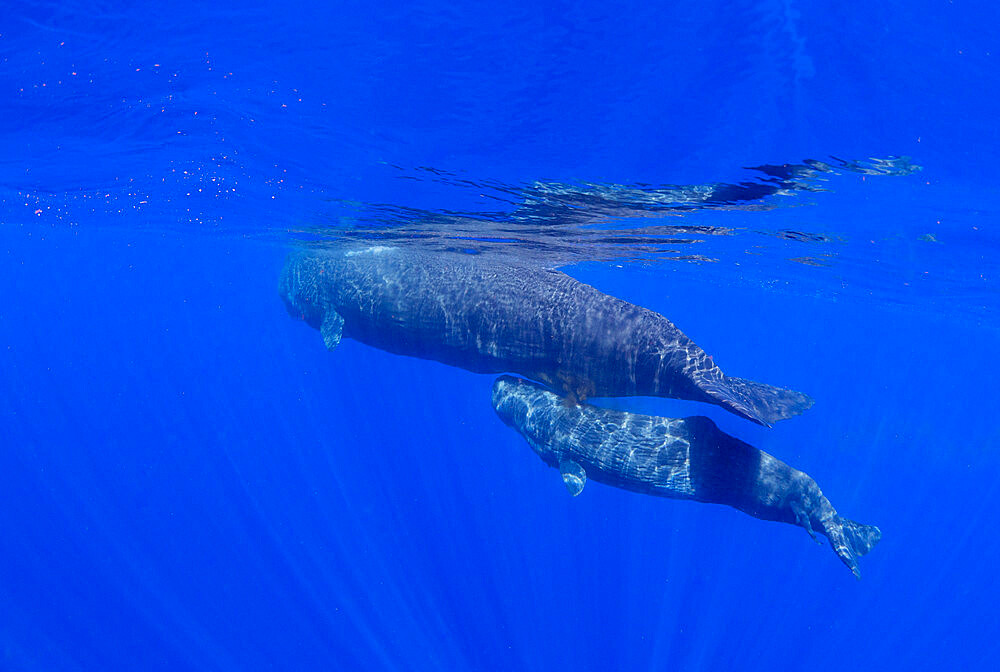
<point x="188" y="480"/>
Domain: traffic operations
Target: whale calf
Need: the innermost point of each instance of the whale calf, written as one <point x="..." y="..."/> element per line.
<point x="686" y="458"/>
<point x="491" y="317"/>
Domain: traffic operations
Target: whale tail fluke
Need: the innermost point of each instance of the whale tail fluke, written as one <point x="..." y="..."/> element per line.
<point x="764" y="404"/>
<point x="850" y="540"/>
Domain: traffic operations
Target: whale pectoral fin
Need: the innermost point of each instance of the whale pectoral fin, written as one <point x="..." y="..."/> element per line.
<point x="802" y="518"/>
<point x="332" y="328"/>
<point x="573" y="476"/>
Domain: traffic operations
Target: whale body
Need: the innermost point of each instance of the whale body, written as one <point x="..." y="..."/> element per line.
<point x="685" y="458"/>
<point x="491" y="317"/>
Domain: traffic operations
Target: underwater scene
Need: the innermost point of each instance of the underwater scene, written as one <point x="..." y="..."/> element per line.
<point x="499" y="336"/>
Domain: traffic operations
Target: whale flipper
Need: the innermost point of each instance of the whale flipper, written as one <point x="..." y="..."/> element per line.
<point x="802" y="518"/>
<point x="332" y="328"/>
<point x="762" y="403"/>
<point x="573" y="476"/>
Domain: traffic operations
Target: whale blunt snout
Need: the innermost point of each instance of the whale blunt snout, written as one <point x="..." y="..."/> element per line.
<point x="298" y="303"/>
<point x="509" y="406"/>
<point x="288" y="297"/>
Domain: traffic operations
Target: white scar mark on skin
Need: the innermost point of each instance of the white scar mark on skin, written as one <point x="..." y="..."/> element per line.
<point x="375" y="249"/>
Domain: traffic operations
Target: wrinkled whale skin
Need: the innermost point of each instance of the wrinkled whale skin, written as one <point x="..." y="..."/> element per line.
<point x="491" y="317"/>
<point x="685" y="458"/>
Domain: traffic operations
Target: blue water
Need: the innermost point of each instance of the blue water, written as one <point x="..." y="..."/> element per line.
<point x="190" y="481"/>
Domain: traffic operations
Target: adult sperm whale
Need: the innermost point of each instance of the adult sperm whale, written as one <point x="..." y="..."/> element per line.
<point x="686" y="458"/>
<point x="492" y="317"/>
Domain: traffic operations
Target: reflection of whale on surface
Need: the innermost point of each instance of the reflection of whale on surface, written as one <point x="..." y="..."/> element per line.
<point x="687" y="458"/>
<point x="491" y="317"/>
<point x="556" y="224"/>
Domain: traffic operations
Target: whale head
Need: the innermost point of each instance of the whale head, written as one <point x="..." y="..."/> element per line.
<point x="509" y="401"/>
<point x="299" y="287"/>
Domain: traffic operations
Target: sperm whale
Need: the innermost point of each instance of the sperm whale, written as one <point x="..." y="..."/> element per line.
<point x="491" y="317"/>
<point x="685" y="458"/>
